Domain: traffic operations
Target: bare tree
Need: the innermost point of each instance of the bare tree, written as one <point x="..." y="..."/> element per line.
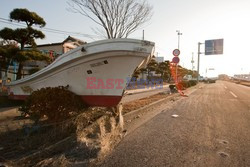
<point x="119" y="18"/>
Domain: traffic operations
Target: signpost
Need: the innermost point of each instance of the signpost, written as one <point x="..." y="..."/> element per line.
<point x="176" y="60"/>
<point x="176" y="52"/>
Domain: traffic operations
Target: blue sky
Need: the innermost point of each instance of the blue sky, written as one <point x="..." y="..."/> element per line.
<point x="198" y="20"/>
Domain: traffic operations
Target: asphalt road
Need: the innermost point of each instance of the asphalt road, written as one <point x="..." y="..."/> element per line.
<point x="213" y="129"/>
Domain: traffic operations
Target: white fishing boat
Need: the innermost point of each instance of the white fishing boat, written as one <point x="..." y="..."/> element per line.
<point x="98" y="72"/>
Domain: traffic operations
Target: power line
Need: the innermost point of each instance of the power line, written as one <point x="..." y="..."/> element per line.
<point x="12" y="23"/>
<point x="50" y="30"/>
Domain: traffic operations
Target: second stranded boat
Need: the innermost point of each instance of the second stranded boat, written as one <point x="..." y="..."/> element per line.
<point x="98" y="72"/>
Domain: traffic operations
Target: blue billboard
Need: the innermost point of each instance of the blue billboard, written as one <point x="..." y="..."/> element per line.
<point x="214" y="47"/>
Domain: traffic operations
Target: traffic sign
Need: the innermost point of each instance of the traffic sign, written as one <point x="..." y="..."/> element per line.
<point x="176" y="60"/>
<point x="176" y="52"/>
<point x="214" y="47"/>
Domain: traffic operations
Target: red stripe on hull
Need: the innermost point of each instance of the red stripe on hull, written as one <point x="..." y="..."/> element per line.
<point x="101" y="101"/>
<point x="18" y="97"/>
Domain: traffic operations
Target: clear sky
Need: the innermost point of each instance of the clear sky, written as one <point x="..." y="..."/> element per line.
<point x="198" y="20"/>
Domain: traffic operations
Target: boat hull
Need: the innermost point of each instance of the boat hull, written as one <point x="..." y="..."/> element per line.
<point x="98" y="73"/>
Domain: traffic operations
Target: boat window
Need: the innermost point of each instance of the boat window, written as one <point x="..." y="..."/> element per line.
<point x="83" y="49"/>
<point x="89" y="72"/>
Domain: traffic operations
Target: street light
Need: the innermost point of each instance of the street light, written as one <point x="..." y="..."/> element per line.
<point x="192" y="61"/>
<point x="198" y="65"/>
<point x="179" y="34"/>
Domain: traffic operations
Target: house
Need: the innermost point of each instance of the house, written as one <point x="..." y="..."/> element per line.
<point x="56" y="49"/>
<point x="53" y="50"/>
<point x="159" y="59"/>
<point x="245" y="77"/>
<point x="144" y="75"/>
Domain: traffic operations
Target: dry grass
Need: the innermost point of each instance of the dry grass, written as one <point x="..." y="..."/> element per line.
<point x="246" y="83"/>
<point x="130" y="106"/>
<point x="19" y="143"/>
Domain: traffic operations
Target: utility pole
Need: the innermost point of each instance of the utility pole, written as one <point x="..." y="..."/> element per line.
<point x="198" y="66"/>
<point x="192" y="61"/>
<point x="179" y="34"/>
<point x="143" y="35"/>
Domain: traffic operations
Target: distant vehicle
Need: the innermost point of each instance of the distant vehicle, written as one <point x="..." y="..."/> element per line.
<point x="201" y="78"/>
<point x="188" y="77"/>
<point x="210" y="80"/>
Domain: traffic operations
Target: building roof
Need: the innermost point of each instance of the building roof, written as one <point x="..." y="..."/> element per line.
<point x="74" y="40"/>
<point x="49" y="44"/>
<point x="69" y="38"/>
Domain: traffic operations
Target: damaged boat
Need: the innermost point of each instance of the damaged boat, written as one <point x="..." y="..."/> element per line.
<point x="98" y="72"/>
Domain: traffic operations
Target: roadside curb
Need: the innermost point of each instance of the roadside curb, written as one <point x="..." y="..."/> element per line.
<point x="136" y="91"/>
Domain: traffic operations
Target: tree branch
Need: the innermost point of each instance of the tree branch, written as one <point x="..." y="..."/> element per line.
<point x="119" y="18"/>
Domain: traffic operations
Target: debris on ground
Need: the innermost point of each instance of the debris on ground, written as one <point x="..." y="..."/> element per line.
<point x="175" y="116"/>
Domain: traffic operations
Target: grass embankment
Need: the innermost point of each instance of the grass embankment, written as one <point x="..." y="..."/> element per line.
<point x="245" y="83"/>
<point x="133" y="105"/>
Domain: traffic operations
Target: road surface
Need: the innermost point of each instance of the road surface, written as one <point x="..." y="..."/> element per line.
<point x="212" y="129"/>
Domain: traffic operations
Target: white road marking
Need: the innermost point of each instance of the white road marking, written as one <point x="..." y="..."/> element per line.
<point x="233" y="94"/>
